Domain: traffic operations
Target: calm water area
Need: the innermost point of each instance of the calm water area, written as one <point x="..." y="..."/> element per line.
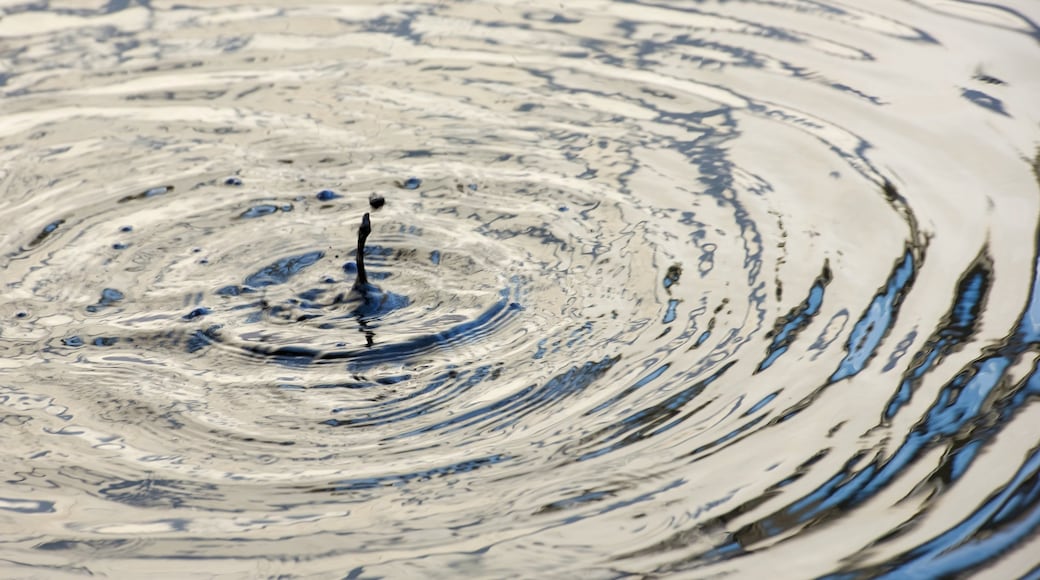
<point x="656" y="289"/>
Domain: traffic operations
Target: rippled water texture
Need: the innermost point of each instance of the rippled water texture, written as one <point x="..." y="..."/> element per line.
<point x="657" y="289"/>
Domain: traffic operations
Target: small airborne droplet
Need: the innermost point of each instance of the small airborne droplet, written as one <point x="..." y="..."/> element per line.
<point x="376" y="201"/>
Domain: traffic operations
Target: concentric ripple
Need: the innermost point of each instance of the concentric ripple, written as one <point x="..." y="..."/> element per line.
<point x="685" y="288"/>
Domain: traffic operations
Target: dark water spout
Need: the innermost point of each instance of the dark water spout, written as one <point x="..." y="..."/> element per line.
<point x="362" y="235"/>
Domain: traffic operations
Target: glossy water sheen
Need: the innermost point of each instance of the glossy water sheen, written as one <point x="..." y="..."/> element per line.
<point x="658" y="289"/>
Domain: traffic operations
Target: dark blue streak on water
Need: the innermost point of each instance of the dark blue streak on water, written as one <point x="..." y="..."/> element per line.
<point x="900" y="351"/>
<point x="148" y="193"/>
<point x="26" y="506"/>
<point x="761" y="403"/>
<point x="506" y="412"/>
<point x="45" y="233"/>
<point x="595" y="496"/>
<point x="197" y="313"/>
<point x="789" y="326"/>
<point x="440" y="391"/>
<point x="540" y="233"/>
<point x="368" y="483"/>
<point x="110" y="7"/>
<point x="649" y="421"/>
<point x="201" y="339"/>
<point x="586" y="497"/>
<point x="669" y="314"/>
<point x="92" y="546"/>
<point x="985" y="101"/>
<point x="716" y="445"/>
<point x="401" y="26"/>
<point x="640" y="383"/>
<point x="159" y="492"/>
<point x="956" y="327"/>
<point x="878" y="319"/>
<point x="281" y="271"/>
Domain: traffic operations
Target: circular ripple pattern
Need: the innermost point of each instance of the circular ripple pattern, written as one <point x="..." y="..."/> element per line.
<point x="689" y="288"/>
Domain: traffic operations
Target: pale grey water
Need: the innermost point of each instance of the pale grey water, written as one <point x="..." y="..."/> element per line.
<point x="680" y="289"/>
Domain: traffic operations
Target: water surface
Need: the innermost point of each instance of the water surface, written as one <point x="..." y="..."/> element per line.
<point x="667" y="289"/>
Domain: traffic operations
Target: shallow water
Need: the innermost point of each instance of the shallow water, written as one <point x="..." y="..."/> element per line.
<point x="664" y="289"/>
